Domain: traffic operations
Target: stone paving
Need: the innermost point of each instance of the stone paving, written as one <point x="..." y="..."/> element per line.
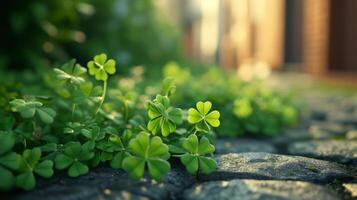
<point x="317" y="160"/>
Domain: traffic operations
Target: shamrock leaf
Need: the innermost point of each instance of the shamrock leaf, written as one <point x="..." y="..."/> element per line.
<point x="202" y="117"/>
<point x="110" y="149"/>
<point x="73" y="158"/>
<point x="8" y="161"/>
<point x="71" y="72"/>
<point x="163" y="117"/>
<point x="100" y="67"/>
<point x="150" y="152"/>
<point x="195" y="158"/>
<point x="122" y="151"/>
<point x="28" y="109"/>
<point x="28" y="165"/>
<point x="169" y="86"/>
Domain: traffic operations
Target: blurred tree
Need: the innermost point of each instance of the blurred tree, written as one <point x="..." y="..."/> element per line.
<point x="37" y="32"/>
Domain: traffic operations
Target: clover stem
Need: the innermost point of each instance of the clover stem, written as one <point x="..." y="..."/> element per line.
<point x="73" y="109"/>
<point x="103" y="96"/>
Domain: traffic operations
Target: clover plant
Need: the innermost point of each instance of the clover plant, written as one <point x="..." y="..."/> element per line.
<point x="28" y="165"/>
<point x="8" y="161"/>
<point x="124" y="129"/>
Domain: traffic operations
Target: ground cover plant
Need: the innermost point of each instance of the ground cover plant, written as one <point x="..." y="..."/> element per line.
<point x="82" y="120"/>
<point x="247" y="107"/>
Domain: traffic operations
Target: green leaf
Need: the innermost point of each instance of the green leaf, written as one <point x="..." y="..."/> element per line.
<point x="202" y="117"/>
<point x="100" y="68"/>
<point x="158" y="168"/>
<point x="190" y="144"/>
<point x="79" y="70"/>
<point x="203" y="108"/>
<point x="109" y="66"/>
<point x="205" y="147"/>
<point x="117" y="160"/>
<point x="46" y="115"/>
<point x="92" y="68"/>
<point x="167" y="127"/>
<point x="134" y="166"/>
<point x="7" y="179"/>
<point x="49" y="147"/>
<point x="101" y="75"/>
<point x="213" y="118"/>
<point x="77" y="169"/>
<point x="10" y="160"/>
<point x="100" y="59"/>
<point x="207" y="165"/>
<point x="30" y="158"/>
<point x="157" y="148"/>
<point x="193" y="116"/>
<point x="154" y="125"/>
<point x="45" y="169"/>
<point x="175" y="115"/>
<point x="26" y="112"/>
<point x="26" y="181"/>
<point x="190" y="162"/>
<point x="73" y="149"/>
<point x="7" y="141"/>
<point x="169" y="86"/>
<point x="140" y="144"/>
<point x="147" y="150"/>
<point x="63" y="161"/>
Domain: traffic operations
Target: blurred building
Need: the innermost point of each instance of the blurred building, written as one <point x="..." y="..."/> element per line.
<point x="316" y="36"/>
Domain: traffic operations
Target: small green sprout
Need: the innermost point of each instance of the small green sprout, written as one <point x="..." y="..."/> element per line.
<point x="150" y="152"/>
<point x="74" y="156"/>
<point x="202" y="117"/>
<point x="195" y="158"/>
<point x="28" y="109"/>
<point x="29" y="164"/>
<point x="162" y="116"/>
<point x="8" y="161"/>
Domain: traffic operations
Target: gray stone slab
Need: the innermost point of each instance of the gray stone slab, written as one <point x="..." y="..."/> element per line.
<point x="277" y="167"/>
<point x="343" y="151"/>
<point x="258" y="190"/>
<point x="107" y="183"/>
<point x="224" y="146"/>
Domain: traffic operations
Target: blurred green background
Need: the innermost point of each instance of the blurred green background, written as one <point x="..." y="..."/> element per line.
<point x="36" y="33"/>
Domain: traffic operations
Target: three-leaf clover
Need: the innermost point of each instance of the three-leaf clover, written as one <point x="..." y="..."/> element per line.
<point x="100" y="67"/>
<point x="71" y="72"/>
<point x="8" y="161"/>
<point x="162" y="116"/>
<point x="195" y="158"/>
<point x="73" y="156"/>
<point x="28" y="109"/>
<point x="28" y="165"/>
<point x="150" y="152"/>
<point x="202" y="117"/>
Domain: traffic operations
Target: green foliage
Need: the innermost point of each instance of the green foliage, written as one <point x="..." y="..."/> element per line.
<point x="100" y="67"/>
<point x="100" y="122"/>
<point x="202" y="117"/>
<point x="28" y="109"/>
<point x="195" y="157"/>
<point x="8" y="161"/>
<point x="28" y="165"/>
<point x="245" y="107"/>
<point x="163" y="117"/>
<point x="73" y="157"/>
<point x="150" y="152"/>
<point x="52" y="31"/>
